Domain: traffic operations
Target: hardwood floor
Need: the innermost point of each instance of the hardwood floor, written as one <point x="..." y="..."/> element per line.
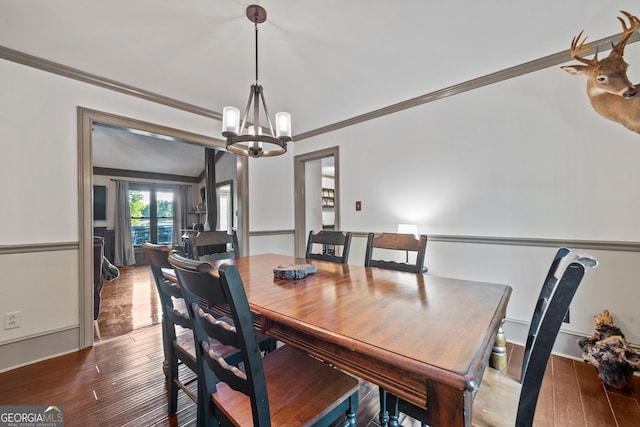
<point x="119" y="381"/>
<point x="128" y="303"/>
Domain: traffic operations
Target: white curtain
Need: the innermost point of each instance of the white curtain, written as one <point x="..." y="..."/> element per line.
<point x="180" y="209"/>
<point x="123" y="255"/>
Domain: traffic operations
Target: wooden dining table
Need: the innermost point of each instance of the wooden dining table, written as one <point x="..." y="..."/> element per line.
<point x="424" y="338"/>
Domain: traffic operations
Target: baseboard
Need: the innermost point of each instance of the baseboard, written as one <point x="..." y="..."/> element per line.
<point x="34" y="349"/>
<point x="566" y="343"/>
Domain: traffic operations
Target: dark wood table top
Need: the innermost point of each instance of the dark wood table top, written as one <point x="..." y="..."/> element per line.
<point x="425" y="338"/>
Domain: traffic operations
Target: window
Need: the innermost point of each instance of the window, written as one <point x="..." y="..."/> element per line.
<point x="151" y="214"/>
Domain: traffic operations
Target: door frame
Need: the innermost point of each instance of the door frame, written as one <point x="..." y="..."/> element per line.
<point x="300" y="237"/>
<point x="86" y="119"/>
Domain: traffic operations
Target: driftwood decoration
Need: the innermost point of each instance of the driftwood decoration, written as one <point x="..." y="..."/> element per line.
<point x="610" y="354"/>
<point x="611" y="93"/>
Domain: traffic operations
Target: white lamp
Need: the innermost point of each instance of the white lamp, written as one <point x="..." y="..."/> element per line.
<point x="231" y="120"/>
<point x="408" y="229"/>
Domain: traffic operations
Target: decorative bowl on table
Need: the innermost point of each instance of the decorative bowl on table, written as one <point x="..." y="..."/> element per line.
<point x="294" y="272"/>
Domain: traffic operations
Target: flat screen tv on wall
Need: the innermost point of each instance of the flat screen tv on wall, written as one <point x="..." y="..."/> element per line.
<point x="99" y="202"/>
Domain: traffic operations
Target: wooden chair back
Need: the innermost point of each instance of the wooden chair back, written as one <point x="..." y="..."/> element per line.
<point x="202" y="282"/>
<point x="178" y="348"/>
<point x="560" y="285"/>
<point x="205" y="286"/>
<point x="214" y="245"/>
<point x="329" y="241"/>
<point x="158" y="256"/>
<point x="397" y="242"/>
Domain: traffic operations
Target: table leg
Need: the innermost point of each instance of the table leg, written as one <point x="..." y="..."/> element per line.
<point x="447" y="405"/>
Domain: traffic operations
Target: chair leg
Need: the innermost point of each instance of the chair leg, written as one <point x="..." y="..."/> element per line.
<point x="392" y="409"/>
<point x="172" y="378"/>
<point x="384" y="415"/>
<point x="206" y="410"/>
<point x="351" y="413"/>
<point x="166" y="342"/>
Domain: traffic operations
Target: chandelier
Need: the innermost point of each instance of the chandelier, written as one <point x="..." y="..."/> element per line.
<point x="254" y="140"/>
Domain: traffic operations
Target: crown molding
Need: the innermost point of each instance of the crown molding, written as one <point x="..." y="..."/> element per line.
<point x="94" y="79"/>
<point x="498" y="76"/>
<point x="506" y="74"/>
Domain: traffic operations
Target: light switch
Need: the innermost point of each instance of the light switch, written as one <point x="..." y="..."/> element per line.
<point x="358" y="205"/>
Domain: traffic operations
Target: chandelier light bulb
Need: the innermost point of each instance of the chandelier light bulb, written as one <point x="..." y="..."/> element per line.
<point x="230" y="121"/>
<point x="283" y="125"/>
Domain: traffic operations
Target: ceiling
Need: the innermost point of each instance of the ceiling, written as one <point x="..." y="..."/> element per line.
<point x="116" y="148"/>
<point x="322" y="61"/>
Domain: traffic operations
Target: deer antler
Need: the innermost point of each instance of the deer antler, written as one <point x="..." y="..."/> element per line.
<point x="611" y="93"/>
<point x="578" y="46"/>
<point x="634" y="24"/>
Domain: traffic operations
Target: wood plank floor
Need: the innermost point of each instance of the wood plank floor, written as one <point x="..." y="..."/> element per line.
<point x="128" y="303"/>
<point x="119" y="382"/>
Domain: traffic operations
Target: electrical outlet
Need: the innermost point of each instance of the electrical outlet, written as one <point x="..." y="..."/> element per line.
<point x="12" y="320"/>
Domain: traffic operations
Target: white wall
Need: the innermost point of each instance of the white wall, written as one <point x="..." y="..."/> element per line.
<point x="39" y="164"/>
<point x="524" y="158"/>
<point x="272" y="243"/>
<point x="271" y="193"/>
<point x="504" y="160"/>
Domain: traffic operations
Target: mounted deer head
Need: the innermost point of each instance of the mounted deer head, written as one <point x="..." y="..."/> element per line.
<point x="611" y="93"/>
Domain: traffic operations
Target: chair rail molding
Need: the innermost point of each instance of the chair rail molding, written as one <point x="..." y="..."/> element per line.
<point x="38" y="247"/>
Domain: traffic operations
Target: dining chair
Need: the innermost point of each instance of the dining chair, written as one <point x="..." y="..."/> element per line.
<point x="502" y="400"/>
<point x="404" y="243"/>
<point x="214" y="245"/>
<point x="397" y="242"/>
<point x="178" y="343"/>
<point x="286" y="387"/>
<point x="329" y="240"/>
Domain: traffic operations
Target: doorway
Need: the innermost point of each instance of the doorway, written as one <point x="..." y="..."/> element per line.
<point x="226" y="214"/>
<point x="86" y="119"/>
<point x="317" y="194"/>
